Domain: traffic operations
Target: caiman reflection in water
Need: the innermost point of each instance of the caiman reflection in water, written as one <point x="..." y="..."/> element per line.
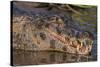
<point x="45" y="57"/>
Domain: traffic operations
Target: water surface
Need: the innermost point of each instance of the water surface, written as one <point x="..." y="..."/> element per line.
<point x="45" y="57"/>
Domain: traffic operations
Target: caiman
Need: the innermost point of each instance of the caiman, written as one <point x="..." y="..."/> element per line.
<point x="77" y="49"/>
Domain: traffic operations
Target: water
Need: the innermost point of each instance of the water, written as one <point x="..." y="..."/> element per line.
<point x="45" y="57"/>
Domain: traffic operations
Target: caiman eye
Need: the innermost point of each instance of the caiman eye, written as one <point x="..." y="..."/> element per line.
<point x="43" y="36"/>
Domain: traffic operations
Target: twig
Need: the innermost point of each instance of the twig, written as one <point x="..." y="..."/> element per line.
<point x="70" y="8"/>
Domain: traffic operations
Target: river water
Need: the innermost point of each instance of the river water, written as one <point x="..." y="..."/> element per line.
<point x="45" y="57"/>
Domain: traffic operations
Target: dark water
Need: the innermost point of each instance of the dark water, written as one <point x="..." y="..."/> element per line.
<point x="36" y="58"/>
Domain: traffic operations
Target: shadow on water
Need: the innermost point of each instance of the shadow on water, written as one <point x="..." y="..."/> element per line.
<point x="44" y="57"/>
